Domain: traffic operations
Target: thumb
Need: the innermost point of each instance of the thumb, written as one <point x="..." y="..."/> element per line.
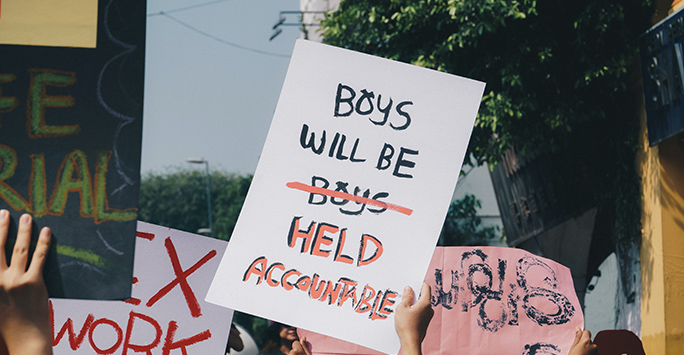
<point x="297" y="349"/>
<point x="407" y="296"/>
<point x="300" y="347"/>
<point x="424" y="294"/>
<point x="578" y="336"/>
<point x="305" y="346"/>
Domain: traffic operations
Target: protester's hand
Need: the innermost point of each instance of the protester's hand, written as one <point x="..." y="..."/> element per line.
<point x="411" y="321"/>
<point x="24" y="309"/>
<point x="583" y="344"/>
<point x="300" y="347"/>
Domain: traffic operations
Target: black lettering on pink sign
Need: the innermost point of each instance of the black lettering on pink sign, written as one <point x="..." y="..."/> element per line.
<point x="474" y="284"/>
<point x="478" y="285"/>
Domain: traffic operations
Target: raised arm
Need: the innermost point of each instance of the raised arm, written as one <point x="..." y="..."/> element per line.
<point x="411" y="320"/>
<point x="24" y="308"/>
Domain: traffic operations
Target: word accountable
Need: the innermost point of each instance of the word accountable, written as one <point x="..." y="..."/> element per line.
<point x="317" y="240"/>
<point x="334" y="292"/>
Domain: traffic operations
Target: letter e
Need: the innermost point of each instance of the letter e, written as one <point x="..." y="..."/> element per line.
<point x="403" y="162"/>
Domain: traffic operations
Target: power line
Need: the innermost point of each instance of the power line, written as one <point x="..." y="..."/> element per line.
<point x="186" y="8"/>
<point x="217" y="39"/>
<point x="206" y="34"/>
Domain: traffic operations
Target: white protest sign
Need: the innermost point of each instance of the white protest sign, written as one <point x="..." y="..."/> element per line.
<point x="166" y="314"/>
<point x="350" y="193"/>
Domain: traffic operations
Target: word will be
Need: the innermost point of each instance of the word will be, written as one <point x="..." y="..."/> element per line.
<point x="346" y="104"/>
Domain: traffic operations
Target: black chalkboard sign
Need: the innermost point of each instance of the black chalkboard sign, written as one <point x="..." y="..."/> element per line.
<point x="70" y="139"/>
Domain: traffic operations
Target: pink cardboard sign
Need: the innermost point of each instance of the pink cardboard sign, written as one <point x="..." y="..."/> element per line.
<point x="490" y="300"/>
<point x="166" y="313"/>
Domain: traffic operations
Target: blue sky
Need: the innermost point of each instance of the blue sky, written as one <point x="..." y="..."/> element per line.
<point x="212" y="81"/>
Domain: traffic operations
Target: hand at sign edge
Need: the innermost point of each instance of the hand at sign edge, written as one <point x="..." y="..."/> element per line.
<point x="411" y="320"/>
<point x="24" y="308"/>
<point x="583" y="344"/>
<point x="300" y="347"/>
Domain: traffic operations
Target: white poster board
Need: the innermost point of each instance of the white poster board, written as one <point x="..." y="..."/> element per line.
<point x="350" y="193"/>
<point x="166" y="314"/>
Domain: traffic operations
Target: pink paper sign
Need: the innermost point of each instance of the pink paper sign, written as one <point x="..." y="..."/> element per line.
<point x="166" y="313"/>
<point x="490" y="300"/>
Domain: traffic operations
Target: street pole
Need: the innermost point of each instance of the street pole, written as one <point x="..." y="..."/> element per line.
<point x="206" y="164"/>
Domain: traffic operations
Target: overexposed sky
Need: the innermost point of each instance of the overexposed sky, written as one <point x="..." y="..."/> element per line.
<point x="212" y="80"/>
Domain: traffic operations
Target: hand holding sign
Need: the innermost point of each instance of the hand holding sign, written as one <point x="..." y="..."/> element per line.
<point x="582" y="344"/>
<point x="412" y="320"/>
<point x="300" y="347"/>
<point x="24" y="320"/>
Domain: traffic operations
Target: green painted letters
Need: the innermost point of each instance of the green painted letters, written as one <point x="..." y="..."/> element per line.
<point x="39" y="99"/>
<point x="74" y="162"/>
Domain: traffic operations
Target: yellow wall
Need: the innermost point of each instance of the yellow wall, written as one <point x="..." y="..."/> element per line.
<point x="652" y="285"/>
<point x="662" y="247"/>
<point x="672" y="205"/>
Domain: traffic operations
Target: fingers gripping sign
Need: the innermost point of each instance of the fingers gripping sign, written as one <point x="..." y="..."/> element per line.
<point x="583" y="344"/>
<point x="24" y="310"/>
<point x="411" y="320"/>
<point x="300" y="347"/>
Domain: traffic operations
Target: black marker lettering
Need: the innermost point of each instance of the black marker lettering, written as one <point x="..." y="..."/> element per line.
<point x="348" y="100"/>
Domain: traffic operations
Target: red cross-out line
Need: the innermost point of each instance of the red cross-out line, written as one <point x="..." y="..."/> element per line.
<point x="347" y="196"/>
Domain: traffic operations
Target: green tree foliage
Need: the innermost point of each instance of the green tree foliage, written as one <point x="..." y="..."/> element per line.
<point x="462" y="226"/>
<point x="178" y="199"/>
<point x="557" y="75"/>
<point x="229" y="204"/>
<point x="549" y="65"/>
